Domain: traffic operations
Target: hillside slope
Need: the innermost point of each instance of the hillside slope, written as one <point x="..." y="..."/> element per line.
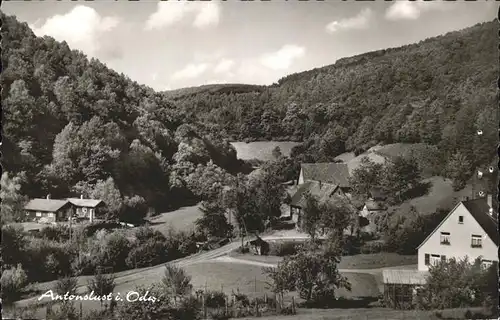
<point x="72" y="126"/>
<point x="438" y="91"/>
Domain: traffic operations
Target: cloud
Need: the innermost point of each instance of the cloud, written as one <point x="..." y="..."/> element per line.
<point x="224" y="66"/>
<point x="283" y="58"/>
<point x="191" y="71"/>
<point x="81" y="28"/>
<point x="169" y="12"/>
<point x="405" y="10"/>
<point x="359" y="21"/>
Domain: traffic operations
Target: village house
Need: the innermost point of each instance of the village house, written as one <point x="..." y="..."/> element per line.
<point x="87" y="209"/>
<point x="375" y="204"/>
<point x="469" y="230"/>
<point x="48" y="210"/>
<point x="327" y="172"/>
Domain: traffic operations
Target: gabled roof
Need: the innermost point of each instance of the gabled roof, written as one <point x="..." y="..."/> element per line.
<point x="323" y="191"/>
<point x="46" y="205"/>
<point x="329" y="172"/>
<point x="410" y="277"/>
<point x="89" y="203"/>
<point x="479" y="209"/>
<point x="378" y="194"/>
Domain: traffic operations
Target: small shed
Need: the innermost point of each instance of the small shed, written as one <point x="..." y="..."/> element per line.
<point x="400" y="287"/>
<point x="261" y="247"/>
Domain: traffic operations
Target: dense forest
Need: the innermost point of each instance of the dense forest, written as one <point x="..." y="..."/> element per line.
<point x="72" y="126"/>
<point x="439" y="91"/>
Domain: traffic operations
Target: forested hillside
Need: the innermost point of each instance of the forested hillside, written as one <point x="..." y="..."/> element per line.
<point x="72" y="126"/>
<point x="439" y="91"/>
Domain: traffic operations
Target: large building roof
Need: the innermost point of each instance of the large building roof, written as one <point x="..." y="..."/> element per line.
<point x="323" y="191"/>
<point x="89" y="203"/>
<point x="330" y="172"/>
<point x="46" y="205"/>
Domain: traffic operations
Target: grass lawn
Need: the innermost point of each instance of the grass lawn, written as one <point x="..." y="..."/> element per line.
<point x="376" y="261"/>
<point x="181" y="219"/>
<point x="359" y="261"/>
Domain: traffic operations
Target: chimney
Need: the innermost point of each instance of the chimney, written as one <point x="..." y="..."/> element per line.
<point x="48" y="197"/>
<point x="489" y="200"/>
<point x="81" y="196"/>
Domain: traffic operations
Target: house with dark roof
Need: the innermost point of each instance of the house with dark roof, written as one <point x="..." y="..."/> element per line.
<point x="87" y="209"/>
<point x="329" y="172"/>
<point x="322" y="191"/>
<point x="469" y="230"/>
<point x="48" y="210"/>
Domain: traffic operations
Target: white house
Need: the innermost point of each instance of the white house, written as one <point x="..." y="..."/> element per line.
<point x="470" y="229"/>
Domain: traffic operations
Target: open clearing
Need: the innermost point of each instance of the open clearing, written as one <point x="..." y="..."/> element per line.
<point x="182" y="219"/>
<point x="262" y="150"/>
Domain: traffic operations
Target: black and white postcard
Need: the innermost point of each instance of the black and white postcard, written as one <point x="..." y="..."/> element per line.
<point x="188" y="160"/>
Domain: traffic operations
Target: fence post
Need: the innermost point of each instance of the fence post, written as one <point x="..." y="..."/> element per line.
<point x="204" y="306"/>
<point x="226" y="303"/>
<point x="255" y="283"/>
<point x="81" y="310"/>
<point x="293" y="304"/>
<point x="265" y="298"/>
<point x="278" y="304"/>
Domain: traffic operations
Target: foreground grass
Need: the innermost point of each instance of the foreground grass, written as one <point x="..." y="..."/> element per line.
<point x="369" y="314"/>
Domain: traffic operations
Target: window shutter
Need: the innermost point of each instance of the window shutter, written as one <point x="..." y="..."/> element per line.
<point x="427" y="258"/>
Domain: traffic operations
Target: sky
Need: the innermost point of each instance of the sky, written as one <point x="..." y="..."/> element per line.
<point x="174" y="44"/>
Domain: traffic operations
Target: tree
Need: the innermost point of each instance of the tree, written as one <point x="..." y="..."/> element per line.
<point x="12" y="199"/>
<point x="312" y="272"/>
<point x="400" y="176"/>
<point x="468" y="282"/>
<point x="101" y="285"/>
<point x="459" y="169"/>
<point x="176" y="282"/>
<point x="213" y="223"/>
<point x="13" y="280"/>
<point x="13" y="246"/>
<point x="365" y="177"/>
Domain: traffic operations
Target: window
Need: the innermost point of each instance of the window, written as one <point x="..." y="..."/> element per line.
<point x="435" y="258"/>
<point x="38" y="214"/>
<point x="476" y="241"/>
<point x="486" y="263"/>
<point x="427" y="258"/>
<point x="461" y="219"/>
<point x="51" y="215"/>
<point x="443" y="258"/>
<point x="445" y="238"/>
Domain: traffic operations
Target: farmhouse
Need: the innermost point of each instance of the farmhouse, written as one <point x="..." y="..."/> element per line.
<point x="87" y="209"/>
<point x="469" y="230"/>
<point x="322" y="191"/>
<point x="48" y="210"/>
<point x="328" y="172"/>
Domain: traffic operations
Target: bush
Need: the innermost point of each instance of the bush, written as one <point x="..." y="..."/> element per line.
<point x="66" y="284"/>
<point x="147" y="254"/>
<point x="284" y="249"/>
<point x="13" y="281"/>
<point x="215" y="299"/>
<point x="220" y="315"/>
<point x="243" y="249"/>
<point x="56" y="233"/>
<point x="376" y="246"/>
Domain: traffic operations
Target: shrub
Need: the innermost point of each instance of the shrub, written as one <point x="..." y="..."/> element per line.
<point x="373" y="247"/>
<point x="13" y="281"/>
<point x="66" y="284"/>
<point x="220" y="315"/>
<point x="284" y="249"/>
<point x="243" y="249"/>
<point x="149" y="253"/>
<point x="83" y="265"/>
<point x="215" y="299"/>
<point x="189" y="308"/>
<point x="56" y="233"/>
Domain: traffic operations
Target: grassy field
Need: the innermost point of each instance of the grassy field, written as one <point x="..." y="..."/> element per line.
<point x="359" y="261"/>
<point x="249" y="279"/>
<point x="182" y="219"/>
<point x="367" y="314"/>
<point x="262" y="150"/>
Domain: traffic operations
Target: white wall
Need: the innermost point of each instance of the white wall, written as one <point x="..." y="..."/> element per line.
<point x="460" y="240"/>
<point x="301" y="177"/>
